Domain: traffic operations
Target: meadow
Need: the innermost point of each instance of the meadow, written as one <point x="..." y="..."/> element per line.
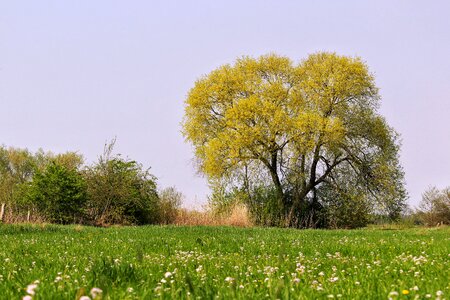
<point x="170" y="262"/>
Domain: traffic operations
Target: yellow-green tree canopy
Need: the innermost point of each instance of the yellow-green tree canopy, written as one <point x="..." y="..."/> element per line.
<point x="295" y="127"/>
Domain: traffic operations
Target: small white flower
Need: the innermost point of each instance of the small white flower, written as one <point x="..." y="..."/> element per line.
<point x="84" y="298"/>
<point x="416" y="288"/>
<point x="393" y="293"/>
<point x="163" y="280"/>
<point x="31" y="288"/>
<point x="334" y="279"/>
<point x="439" y="293"/>
<point x="167" y="274"/>
<point x="296" y="280"/>
<point x="95" y="292"/>
<point x="27" y="297"/>
<point x="321" y="274"/>
<point x="357" y="283"/>
<point x="229" y="279"/>
<point x="428" y="296"/>
<point x="241" y="286"/>
<point x="58" y="278"/>
<point x="130" y="290"/>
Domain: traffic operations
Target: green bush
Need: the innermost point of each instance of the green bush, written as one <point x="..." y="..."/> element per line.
<point x="344" y="206"/>
<point x="120" y="191"/>
<point x="58" y="193"/>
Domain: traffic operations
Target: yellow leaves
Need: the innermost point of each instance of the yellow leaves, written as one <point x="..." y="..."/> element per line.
<point x="256" y="106"/>
<point x="333" y="82"/>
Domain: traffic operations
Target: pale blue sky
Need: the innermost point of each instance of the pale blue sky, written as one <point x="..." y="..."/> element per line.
<point x="74" y="74"/>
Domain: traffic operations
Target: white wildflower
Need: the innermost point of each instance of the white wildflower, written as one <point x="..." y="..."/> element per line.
<point x="31" y="288"/>
<point x="168" y="274"/>
<point x="393" y="293"/>
<point x="334" y="279"/>
<point x="95" y="292"/>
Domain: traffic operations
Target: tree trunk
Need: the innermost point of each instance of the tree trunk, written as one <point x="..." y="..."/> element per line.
<point x="2" y="212"/>
<point x="28" y="216"/>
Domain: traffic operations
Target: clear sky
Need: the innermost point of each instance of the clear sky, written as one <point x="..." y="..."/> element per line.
<point x="74" y="74"/>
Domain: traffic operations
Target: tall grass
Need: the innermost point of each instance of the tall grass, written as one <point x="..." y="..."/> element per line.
<point x="205" y="262"/>
<point x="237" y="216"/>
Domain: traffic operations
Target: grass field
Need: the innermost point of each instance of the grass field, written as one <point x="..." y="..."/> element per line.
<point x="67" y="262"/>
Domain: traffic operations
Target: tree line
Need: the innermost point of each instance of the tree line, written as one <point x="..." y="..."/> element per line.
<point x="60" y="188"/>
<point x="298" y="144"/>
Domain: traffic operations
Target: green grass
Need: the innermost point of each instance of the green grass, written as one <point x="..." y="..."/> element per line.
<point x="223" y="263"/>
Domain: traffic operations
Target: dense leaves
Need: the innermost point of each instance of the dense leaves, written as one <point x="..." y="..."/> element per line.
<point x="58" y="188"/>
<point x="268" y="123"/>
<point x="121" y="192"/>
<point x="59" y="194"/>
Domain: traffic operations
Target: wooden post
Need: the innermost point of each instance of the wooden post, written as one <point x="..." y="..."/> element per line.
<point x="2" y="212"/>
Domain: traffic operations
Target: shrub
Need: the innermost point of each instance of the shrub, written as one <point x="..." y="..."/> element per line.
<point x="58" y="193"/>
<point x="344" y="206"/>
<point x="120" y="191"/>
<point x="169" y="204"/>
<point x="434" y="209"/>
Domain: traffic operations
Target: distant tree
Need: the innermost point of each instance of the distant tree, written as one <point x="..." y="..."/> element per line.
<point x="434" y="209"/>
<point x="70" y="160"/>
<point x="16" y="170"/>
<point x="120" y="191"/>
<point x="169" y="205"/>
<point x="294" y="130"/>
<point x="59" y="194"/>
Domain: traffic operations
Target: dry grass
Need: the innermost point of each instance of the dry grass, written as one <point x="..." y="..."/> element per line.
<point x="10" y="217"/>
<point x="238" y="217"/>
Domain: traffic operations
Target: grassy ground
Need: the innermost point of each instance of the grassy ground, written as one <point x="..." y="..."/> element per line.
<point x="67" y="262"/>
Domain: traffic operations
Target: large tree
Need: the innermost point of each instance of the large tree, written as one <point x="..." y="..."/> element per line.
<point x="304" y="130"/>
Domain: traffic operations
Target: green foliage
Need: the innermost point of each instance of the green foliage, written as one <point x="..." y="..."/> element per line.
<point x="59" y="194"/>
<point x="294" y="129"/>
<point x="17" y="168"/>
<point x="344" y="208"/>
<point x="121" y="191"/>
